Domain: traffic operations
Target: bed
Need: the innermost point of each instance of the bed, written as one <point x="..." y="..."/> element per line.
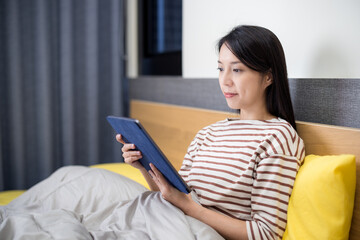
<point x="325" y="200"/>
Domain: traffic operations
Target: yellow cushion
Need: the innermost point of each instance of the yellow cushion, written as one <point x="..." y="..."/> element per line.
<point x="8" y="196"/>
<point x="125" y="170"/>
<point x="322" y="200"/>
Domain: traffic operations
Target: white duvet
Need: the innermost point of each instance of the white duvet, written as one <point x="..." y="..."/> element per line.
<point x="88" y="203"/>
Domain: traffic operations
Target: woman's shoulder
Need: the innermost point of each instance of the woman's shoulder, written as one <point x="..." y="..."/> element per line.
<point x="282" y="137"/>
<point x="279" y="129"/>
<point x="280" y="126"/>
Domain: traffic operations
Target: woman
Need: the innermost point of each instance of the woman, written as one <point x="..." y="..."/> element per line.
<point x="242" y="170"/>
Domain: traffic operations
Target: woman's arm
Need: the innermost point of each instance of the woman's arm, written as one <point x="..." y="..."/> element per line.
<point x="228" y="227"/>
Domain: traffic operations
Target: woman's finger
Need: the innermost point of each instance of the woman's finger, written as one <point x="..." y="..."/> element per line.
<point x="152" y="174"/>
<point x="128" y="154"/>
<point x="127" y="147"/>
<point x="119" y="139"/>
<point x="154" y="170"/>
<point x="132" y="158"/>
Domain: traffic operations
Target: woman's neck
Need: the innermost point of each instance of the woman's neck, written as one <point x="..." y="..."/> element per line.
<point x="256" y="115"/>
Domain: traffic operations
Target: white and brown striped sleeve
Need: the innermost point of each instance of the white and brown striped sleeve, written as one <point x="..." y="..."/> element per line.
<point x="190" y="155"/>
<point x="278" y="160"/>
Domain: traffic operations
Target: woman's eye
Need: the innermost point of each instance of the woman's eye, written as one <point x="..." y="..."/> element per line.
<point x="220" y="69"/>
<point x="237" y="70"/>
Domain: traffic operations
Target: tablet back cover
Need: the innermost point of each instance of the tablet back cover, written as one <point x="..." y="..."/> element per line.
<point x="132" y="132"/>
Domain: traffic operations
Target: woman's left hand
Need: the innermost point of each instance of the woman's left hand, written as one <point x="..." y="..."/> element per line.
<point x="169" y="193"/>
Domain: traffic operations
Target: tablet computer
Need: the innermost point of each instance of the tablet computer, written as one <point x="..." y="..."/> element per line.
<point x="133" y="132"/>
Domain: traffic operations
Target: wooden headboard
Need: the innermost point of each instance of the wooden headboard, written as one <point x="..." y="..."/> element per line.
<point x="173" y="128"/>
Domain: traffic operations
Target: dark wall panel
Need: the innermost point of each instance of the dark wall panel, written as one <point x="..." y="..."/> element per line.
<point x="328" y="101"/>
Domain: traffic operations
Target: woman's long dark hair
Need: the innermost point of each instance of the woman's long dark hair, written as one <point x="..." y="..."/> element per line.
<point x="259" y="49"/>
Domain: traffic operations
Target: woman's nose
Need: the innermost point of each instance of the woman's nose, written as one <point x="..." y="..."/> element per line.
<point x="226" y="79"/>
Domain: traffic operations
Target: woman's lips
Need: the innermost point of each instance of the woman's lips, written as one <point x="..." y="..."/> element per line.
<point x="229" y="95"/>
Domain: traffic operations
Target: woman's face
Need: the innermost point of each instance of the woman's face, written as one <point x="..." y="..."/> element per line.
<point x="242" y="87"/>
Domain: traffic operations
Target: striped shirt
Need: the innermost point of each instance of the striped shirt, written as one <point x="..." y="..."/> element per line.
<point x="246" y="169"/>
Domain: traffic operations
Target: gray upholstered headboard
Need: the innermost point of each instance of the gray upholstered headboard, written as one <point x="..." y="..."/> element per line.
<point x="328" y="101"/>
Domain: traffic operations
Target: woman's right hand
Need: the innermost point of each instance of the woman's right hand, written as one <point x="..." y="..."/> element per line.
<point x="130" y="156"/>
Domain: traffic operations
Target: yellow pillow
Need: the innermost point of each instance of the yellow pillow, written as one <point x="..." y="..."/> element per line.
<point x="8" y="196"/>
<point x="125" y="170"/>
<point x="322" y="201"/>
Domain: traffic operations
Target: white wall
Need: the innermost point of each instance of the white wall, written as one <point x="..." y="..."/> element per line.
<point x="132" y="38"/>
<point x="321" y="38"/>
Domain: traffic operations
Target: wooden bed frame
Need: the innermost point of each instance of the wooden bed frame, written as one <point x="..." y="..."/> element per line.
<point x="173" y="128"/>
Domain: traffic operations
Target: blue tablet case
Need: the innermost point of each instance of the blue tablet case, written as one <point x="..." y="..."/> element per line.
<point x="133" y="132"/>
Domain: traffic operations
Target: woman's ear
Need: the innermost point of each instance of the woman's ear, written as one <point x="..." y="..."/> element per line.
<point x="268" y="78"/>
